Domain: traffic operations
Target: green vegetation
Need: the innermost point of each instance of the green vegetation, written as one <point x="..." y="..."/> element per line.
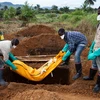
<point x="9" y="13"/>
<point x="27" y="14"/>
<point x="82" y="19"/>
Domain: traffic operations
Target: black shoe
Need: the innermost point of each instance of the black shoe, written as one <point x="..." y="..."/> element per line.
<point x="96" y="88"/>
<point x="78" y="71"/>
<point x="87" y="78"/>
<point x="77" y="76"/>
<point x="91" y="75"/>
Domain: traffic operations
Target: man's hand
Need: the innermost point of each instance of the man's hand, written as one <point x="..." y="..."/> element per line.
<point x="67" y="54"/>
<point x="9" y="63"/>
<point x="65" y="48"/>
<point x="12" y="57"/>
<point x="91" y="47"/>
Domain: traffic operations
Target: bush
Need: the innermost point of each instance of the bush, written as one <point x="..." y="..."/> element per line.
<point x="27" y="13"/>
<point x="92" y="18"/>
<point x="75" y="19"/>
<point x="9" y="13"/>
<point x="1" y="13"/>
<point x="63" y="17"/>
<point x="78" y="12"/>
<point x="51" y="15"/>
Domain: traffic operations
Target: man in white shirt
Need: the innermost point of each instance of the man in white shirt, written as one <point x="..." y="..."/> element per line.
<point x="5" y="51"/>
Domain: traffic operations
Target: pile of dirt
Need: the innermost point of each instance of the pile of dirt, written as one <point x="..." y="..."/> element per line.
<point x="30" y="32"/>
<point x="36" y="30"/>
<point x="41" y="44"/>
<point x="35" y="40"/>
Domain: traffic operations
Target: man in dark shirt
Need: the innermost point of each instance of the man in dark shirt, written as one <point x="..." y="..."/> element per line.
<point x="75" y="42"/>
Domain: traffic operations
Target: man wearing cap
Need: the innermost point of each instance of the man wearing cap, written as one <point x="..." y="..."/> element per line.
<point x="75" y="42"/>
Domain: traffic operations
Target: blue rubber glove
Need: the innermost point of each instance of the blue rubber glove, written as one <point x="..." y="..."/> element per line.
<point x="92" y="46"/>
<point x="9" y="63"/>
<point x="93" y="55"/>
<point x="65" y="48"/>
<point x="67" y="54"/>
<point x="12" y="57"/>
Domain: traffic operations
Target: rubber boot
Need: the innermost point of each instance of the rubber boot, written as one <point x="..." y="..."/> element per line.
<point x="91" y="75"/>
<point x="66" y="62"/>
<point x="96" y="88"/>
<point x="2" y="82"/>
<point x="78" y="70"/>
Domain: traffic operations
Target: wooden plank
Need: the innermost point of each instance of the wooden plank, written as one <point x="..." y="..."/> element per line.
<point x="35" y="58"/>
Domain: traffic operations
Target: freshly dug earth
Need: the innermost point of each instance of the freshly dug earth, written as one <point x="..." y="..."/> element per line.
<point x="35" y="40"/>
<point x="38" y="40"/>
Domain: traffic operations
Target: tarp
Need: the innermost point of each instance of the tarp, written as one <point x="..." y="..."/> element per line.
<point x="39" y="74"/>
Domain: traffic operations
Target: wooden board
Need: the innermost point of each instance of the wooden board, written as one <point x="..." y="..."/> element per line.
<point x="35" y="58"/>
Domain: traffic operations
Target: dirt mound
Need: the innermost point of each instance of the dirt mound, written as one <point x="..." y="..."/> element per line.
<point x="37" y="95"/>
<point x="41" y="44"/>
<point x="37" y="39"/>
<point x="31" y="31"/>
<point x="36" y="30"/>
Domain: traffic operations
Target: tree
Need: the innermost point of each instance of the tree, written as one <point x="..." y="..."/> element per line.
<point x="9" y="13"/>
<point x="54" y="9"/>
<point x="18" y="11"/>
<point x="5" y="7"/>
<point x="37" y="8"/>
<point x="64" y="9"/>
<point x="89" y="2"/>
<point x="1" y="13"/>
<point x="27" y="13"/>
<point x="84" y="6"/>
<point x="46" y="10"/>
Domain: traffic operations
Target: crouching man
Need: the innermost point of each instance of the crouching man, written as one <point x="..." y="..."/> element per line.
<point x="5" y="51"/>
